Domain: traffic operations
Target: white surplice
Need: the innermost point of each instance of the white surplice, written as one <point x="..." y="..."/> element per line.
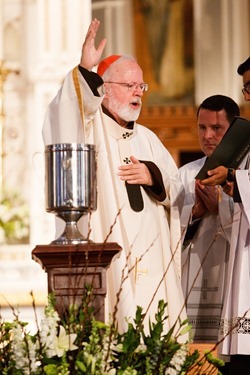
<point x="235" y="326"/>
<point x="205" y="259"/>
<point x="154" y="232"/>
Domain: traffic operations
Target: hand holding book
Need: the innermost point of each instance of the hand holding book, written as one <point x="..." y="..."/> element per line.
<point x="230" y="152"/>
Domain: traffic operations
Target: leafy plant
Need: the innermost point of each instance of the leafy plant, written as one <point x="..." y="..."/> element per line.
<point x="78" y="344"/>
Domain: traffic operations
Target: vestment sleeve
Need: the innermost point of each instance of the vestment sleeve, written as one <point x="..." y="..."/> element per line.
<point x="93" y="79"/>
<point x="243" y="182"/>
<point x="157" y="191"/>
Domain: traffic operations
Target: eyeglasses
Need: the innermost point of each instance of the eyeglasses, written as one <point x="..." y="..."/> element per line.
<point x="246" y="88"/>
<point x="132" y="86"/>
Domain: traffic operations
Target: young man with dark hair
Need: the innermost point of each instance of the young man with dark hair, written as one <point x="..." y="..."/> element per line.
<point x="235" y="332"/>
<point x="206" y="221"/>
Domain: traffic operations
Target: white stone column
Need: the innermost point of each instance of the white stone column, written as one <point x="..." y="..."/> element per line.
<point x="1" y="30"/>
<point x="55" y="31"/>
<point x="221" y="32"/>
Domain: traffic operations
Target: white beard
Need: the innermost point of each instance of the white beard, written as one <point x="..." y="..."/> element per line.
<point x="128" y="114"/>
<point x="125" y="113"/>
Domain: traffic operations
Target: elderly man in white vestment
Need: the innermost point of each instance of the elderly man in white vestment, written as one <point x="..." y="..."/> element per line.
<point x="136" y="176"/>
<point x="206" y="220"/>
<point x="235" y="324"/>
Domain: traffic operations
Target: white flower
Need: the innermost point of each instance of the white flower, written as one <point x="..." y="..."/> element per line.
<point x="64" y="342"/>
<point x="3" y="343"/>
<point x="177" y="361"/>
<point x="24" y="351"/>
<point x="48" y="331"/>
<point x="171" y="371"/>
<point x="112" y="371"/>
<point x="141" y="348"/>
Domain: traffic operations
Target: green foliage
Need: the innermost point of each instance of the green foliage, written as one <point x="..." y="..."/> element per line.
<point x="78" y="344"/>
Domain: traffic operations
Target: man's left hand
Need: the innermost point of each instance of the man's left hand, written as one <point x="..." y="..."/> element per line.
<point x="135" y="173"/>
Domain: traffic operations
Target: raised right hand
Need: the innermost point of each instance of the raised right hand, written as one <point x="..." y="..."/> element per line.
<point x="91" y="55"/>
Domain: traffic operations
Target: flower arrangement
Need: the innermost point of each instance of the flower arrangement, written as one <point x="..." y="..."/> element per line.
<point x="78" y="344"/>
<point x="14" y="218"/>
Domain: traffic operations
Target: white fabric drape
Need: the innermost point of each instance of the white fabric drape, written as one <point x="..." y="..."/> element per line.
<point x="205" y="259"/>
<point x="235" y="331"/>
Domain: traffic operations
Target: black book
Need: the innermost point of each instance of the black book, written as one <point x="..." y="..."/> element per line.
<point x="231" y="150"/>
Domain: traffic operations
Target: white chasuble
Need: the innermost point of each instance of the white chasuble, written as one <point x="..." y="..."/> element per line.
<point x="205" y="260"/>
<point x="235" y="324"/>
<point x="150" y="239"/>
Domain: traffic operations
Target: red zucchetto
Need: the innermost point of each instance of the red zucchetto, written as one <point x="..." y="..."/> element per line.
<point x="105" y="64"/>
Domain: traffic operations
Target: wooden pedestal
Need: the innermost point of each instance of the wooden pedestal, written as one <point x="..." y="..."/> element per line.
<point x="71" y="267"/>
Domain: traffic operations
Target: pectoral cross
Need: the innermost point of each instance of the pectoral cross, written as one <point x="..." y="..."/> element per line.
<point x="139" y="271"/>
<point x="4" y="72"/>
